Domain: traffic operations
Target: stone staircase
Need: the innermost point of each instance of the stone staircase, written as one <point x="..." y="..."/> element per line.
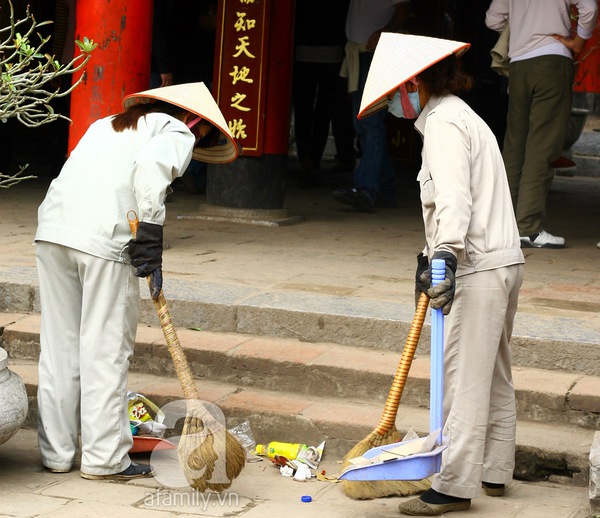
<point x="295" y="388"/>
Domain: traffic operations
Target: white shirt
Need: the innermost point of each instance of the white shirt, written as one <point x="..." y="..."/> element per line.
<point x="533" y="22"/>
<point x="108" y="174"/>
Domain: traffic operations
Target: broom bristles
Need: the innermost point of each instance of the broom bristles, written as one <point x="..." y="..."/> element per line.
<point x="370" y="489"/>
<point x="201" y="456"/>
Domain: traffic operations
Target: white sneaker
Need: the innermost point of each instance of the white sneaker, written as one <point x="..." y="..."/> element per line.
<point x="542" y="240"/>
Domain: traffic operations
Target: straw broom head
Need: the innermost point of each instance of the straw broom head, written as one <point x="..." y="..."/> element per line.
<point x="386" y="432"/>
<point x="370" y="489"/>
<point x="210" y="456"/>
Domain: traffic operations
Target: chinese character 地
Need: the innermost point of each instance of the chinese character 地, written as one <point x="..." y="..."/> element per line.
<point x="240" y="75"/>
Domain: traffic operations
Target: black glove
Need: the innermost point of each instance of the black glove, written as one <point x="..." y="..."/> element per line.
<point x="155" y="283"/>
<point x="442" y="294"/>
<point x="145" y="252"/>
<point x="421" y="286"/>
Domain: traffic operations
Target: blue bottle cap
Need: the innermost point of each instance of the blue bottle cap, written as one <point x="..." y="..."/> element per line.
<point x="306" y="498"/>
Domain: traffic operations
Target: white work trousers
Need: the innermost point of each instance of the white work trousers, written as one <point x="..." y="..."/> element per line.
<point x="89" y="315"/>
<point x="479" y="397"/>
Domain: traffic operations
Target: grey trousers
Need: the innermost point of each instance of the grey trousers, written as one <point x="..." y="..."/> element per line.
<point x="89" y="315"/>
<point x="479" y="398"/>
<point x="539" y="105"/>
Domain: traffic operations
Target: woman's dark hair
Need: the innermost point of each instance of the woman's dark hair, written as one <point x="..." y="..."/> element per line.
<point x="129" y="118"/>
<point x="446" y="77"/>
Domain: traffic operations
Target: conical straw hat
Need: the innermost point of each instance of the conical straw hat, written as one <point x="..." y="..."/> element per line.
<point x="398" y="58"/>
<point x="196" y="98"/>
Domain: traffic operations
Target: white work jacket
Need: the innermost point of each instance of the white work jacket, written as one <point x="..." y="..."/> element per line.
<point x="467" y="208"/>
<point x="109" y="174"/>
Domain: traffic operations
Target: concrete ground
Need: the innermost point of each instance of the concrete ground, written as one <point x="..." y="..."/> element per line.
<point x="27" y="490"/>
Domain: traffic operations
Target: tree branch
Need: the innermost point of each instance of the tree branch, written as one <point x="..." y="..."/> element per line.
<point x="29" y="78"/>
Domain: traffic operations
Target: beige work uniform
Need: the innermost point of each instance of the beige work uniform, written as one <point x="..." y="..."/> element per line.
<point x="467" y="211"/>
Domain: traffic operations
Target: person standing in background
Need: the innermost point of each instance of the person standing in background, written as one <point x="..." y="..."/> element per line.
<point x="193" y="28"/>
<point x="319" y="93"/>
<point x="161" y="65"/>
<point x="541" y="72"/>
<point x="374" y="177"/>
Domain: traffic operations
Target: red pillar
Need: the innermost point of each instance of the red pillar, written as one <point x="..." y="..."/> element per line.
<point x="119" y="66"/>
<point x="279" y="78"/>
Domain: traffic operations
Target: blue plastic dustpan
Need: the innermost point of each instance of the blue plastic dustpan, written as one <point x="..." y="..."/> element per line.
<point x="389" y="462"/>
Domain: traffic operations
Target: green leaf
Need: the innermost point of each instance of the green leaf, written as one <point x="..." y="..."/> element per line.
<point x="86" y="45"/>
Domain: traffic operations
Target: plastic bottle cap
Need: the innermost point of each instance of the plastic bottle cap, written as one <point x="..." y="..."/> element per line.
<point x="306" y="498"/>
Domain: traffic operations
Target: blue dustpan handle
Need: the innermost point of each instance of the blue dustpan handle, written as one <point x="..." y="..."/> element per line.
<point x="436" y="396"/>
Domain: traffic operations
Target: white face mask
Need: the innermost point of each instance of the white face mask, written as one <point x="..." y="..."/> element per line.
<point x="410" y="108"/>
<point x="395" y="106"/>
<point x="413" y="97"/>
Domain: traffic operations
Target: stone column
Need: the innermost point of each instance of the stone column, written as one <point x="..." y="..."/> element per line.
<point x="13" y="400"/>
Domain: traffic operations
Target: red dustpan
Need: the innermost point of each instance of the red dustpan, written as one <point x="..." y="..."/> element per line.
<point x="147" y="443"/>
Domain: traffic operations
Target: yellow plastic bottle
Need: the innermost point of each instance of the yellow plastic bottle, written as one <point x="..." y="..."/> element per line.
<point x="284" y="449"/>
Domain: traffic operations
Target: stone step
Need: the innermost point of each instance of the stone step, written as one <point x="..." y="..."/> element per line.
<point x="544" y="451"/>
<point x="325" y="369"/>
<point x="539" y="339"/>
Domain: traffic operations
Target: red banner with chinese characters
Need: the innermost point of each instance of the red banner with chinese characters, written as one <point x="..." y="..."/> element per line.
<point x="241" y="58"/>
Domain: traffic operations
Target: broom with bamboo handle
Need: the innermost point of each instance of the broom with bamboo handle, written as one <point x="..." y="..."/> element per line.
<point x="386" y="432"/>
<point x="210" y="456"/>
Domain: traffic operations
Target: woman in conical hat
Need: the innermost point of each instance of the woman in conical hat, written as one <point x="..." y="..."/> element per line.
<point x="197" y="99"/>
<point x="89" y="292"/>
<point x="469" y="223"/>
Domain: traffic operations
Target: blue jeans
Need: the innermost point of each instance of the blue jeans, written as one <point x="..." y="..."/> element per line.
<point x="375" y="172"/>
